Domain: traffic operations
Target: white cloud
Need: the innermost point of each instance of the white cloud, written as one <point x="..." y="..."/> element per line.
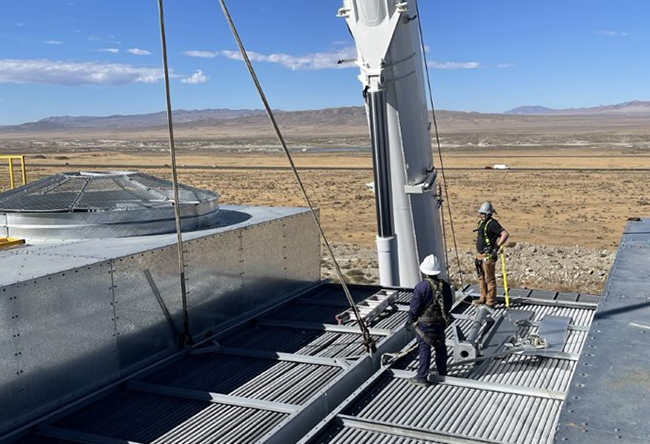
<point x="111" y="50"/>
<point x="612" y="33"/>
<point x="138" y="51"/>
<point x="505" y="65"/>
<point x="313" y="61"/>
<point x="74" y="73"/>
<point x="197" y="77"/>
<point x="204" y="54"/>
<point x="53" y="42"/>
<point x="454" y="65"/>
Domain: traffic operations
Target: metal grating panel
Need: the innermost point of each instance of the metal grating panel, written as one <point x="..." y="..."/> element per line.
<point x="299" y="341"/>
<point x="462" y="411"/>
<point x="147" y="418"/>
<point x="269" y="380"/>
<point x="338" y="434"/>
<point x="68" y="192"/>
<point x="513" y="400"/>
<point x="196" y="398"/>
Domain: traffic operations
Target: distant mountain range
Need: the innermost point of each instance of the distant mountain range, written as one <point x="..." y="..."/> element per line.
<point x="633" y="108"/>
<point x="118" y="121"/>
<point x="344" y="117"/>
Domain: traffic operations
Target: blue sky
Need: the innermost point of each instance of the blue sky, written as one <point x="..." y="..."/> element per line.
<point x="100" y="57"/>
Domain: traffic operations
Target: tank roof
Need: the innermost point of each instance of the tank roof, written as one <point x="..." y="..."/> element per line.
<point x="98" y="191"/>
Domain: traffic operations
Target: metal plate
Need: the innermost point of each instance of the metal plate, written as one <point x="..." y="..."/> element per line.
<point x="142" y="329"/>
<point x="265" y="264"/>
<point x="213" y="267"/>
<point x="608" y="399"/>
<point x="63" y="331"/>
<point x="555" y="330"/>
<point x="302" y="248"/>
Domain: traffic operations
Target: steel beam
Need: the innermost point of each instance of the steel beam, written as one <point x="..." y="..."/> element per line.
<point x="464" y="317"/>
<point x="271" y="355"/>
<point x="321" y="327"/>
<point x="551" y="354"/>
<point x="408" y="432"/>
<point x="571" y="326"/>
<point x="537" y="301"/>
<point x="550" y="302"/>
<point x="79" y="437"/>
<point x="484" y="385"/>
<point x="216" y="398"/>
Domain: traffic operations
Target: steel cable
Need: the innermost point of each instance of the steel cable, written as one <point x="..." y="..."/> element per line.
<point x="187" y="337"/>
<point x="435" y="125"/>
<point x="368" y="341"/>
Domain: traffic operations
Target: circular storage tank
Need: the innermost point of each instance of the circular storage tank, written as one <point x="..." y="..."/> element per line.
<point x="100" y="205"/>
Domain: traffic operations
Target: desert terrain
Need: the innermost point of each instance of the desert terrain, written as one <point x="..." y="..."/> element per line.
<point x="565" y="199"/>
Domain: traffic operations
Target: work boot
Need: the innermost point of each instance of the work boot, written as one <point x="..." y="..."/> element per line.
<point x="419" y="382"/>
<point x="478" y="302"/>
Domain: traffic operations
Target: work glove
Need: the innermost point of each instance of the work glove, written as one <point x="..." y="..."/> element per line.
<point x="408" y="325"/>
<point x="495" y="254"/>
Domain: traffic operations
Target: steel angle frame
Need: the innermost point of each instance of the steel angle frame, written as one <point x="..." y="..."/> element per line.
<point x="272" y="355"/>
<point x="331" y="417"/>
<point x="486" y="385"/>
<point x="406" y="431"/>
<point x="216" y="398"/>
<point x="80" y="437"/>
<point x="537" y="301"/>
<point x="331" y="397"/>
<point x="349" y="329"/>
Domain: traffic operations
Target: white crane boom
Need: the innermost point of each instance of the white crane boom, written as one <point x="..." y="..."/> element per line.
<point x="389" y="56"/>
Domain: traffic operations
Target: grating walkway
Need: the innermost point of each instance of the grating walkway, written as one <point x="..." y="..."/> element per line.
<point x="513" y="400"/>
<point x="270" y="379"/>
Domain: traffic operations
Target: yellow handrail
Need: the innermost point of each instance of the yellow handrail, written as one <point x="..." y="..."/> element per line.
<point x="23" y="170"/>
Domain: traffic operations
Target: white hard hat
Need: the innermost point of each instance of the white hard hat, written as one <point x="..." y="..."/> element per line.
<point x="430" y="266"/>
<point x="487" y="208"/>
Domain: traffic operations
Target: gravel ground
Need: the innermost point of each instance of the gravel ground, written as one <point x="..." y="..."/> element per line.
<point x="575" y="268"/>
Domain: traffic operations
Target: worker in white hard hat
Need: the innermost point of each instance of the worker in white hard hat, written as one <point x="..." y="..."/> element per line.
<point x="429" y="313"/>
<point x="491" y="236"/>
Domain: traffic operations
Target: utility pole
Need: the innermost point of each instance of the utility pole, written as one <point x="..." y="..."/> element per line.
<point x="389" y="55"/>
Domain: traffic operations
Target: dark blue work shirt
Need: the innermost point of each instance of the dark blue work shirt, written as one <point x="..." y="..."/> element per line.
<point x="422" y="296"/>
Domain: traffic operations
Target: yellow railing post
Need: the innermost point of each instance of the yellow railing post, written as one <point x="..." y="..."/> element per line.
<point x="23" y="170"/>
<point x="12" y="183"/>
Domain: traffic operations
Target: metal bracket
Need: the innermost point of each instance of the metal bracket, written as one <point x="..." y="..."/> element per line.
<point x="373" y="43"/>
<point x="426" y="186"/>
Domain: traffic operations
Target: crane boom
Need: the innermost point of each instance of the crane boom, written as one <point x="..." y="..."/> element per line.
<point x="389" y="56"/>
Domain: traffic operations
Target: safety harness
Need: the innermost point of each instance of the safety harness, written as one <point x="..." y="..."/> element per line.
<point x="483" y="227"/>
<point x="435" y="312"/>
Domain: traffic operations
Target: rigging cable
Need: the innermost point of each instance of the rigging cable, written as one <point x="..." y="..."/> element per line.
<point x="186" y="337"/>
<point x="368" y="341"/>
<point x="435" y="125"/>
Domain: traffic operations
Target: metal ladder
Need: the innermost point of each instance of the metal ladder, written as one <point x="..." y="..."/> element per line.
<point x="370" y="308"/>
